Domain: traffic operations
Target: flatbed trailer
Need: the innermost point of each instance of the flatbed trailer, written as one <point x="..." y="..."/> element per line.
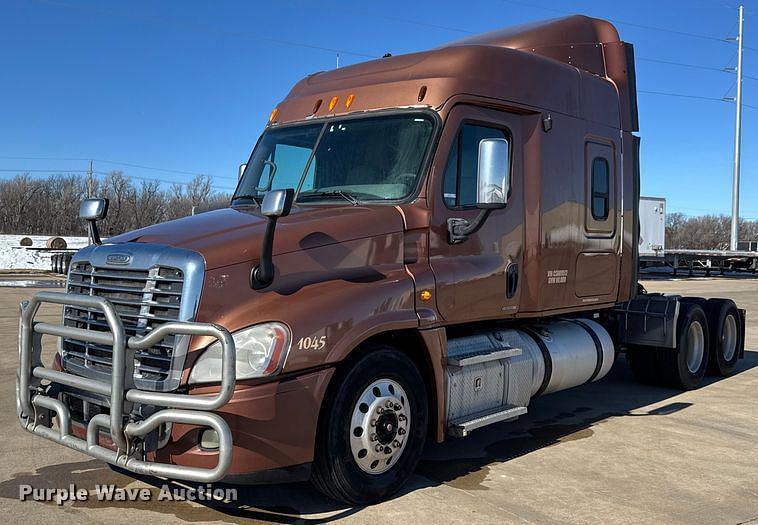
<point x="706" y="260"/>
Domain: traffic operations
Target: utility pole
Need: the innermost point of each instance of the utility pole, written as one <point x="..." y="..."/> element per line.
<point x="90" y="240"/>
<point x="737" y="139"/>
<point x="89" y="180"/>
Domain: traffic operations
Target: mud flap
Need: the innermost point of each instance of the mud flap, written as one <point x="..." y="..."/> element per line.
<point x="648" y="320"/>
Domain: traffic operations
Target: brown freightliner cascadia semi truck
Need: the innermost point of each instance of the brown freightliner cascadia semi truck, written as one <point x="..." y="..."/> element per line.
<point x="417" y="246"/>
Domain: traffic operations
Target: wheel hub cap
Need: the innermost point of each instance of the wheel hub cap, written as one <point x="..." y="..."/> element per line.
<point x="729" y="337"/>
<point x="695" y="346"/>
<point x="379" y="426"/>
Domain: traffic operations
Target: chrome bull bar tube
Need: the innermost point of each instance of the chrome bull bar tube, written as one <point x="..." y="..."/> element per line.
<point x="34" y="406"/>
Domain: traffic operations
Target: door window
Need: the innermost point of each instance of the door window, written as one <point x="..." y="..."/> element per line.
<point x="460" y="173"/>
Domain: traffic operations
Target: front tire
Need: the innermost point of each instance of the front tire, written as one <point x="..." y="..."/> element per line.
<point x="371" y="437"/>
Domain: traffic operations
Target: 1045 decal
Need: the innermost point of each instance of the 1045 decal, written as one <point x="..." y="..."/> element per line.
<point x="312" y="343"/>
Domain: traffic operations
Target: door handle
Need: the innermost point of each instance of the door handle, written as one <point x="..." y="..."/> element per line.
<point x="511" y="280"/>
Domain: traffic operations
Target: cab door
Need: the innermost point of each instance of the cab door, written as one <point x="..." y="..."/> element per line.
<point x="478" y="278"/>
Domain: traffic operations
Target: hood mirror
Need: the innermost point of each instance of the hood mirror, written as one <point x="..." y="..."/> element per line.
<point x="93" y="210"/>
<point x="241" y="171"/>
<point x="276" y="203"/>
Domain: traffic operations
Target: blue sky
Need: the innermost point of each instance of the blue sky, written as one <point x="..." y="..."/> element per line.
<point x="189" y="85"/>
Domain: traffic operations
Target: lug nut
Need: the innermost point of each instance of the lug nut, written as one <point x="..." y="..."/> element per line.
<point x="396" y="443"/>
<point x="389" y="404"/>
<point x="397" y="406"/>
<point x="373" y="437"/>
<point x="401" y="431"/>
<point x="373" y="422"/>
<point x="378" y="448"/>
<point x="401" y="417"/>
<point x="387" y="450"/>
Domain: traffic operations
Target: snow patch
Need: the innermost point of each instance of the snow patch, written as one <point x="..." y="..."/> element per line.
<point x="13" y="256"/>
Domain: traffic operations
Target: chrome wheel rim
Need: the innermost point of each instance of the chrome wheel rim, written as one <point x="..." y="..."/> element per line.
<point x="729" y="337"/>
<point x="695" y="346"/>
<point x="379" y="426"/>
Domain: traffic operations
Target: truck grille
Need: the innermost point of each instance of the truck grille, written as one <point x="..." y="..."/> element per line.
<point x="143" y="299"/>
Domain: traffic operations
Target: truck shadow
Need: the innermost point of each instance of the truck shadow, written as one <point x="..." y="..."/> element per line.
<point x="460" y="463"/>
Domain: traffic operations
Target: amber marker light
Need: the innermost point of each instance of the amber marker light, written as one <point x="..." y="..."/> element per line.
<point x="333" y="103"/>
<point x="425" y="295"/>
<point x="273" y="115"/>
<point x="349" y="101"/>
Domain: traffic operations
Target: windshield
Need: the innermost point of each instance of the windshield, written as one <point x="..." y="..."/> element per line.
<point x="366" y="159"/>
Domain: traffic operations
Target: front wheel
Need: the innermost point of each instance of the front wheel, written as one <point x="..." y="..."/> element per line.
<point x="371" y="437"/>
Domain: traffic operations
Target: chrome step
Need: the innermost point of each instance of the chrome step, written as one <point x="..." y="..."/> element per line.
<point x="463" y="426"/>
<point x="482" y="356"/>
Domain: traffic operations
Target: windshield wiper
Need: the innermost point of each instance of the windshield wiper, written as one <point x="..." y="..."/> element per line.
<point x="255" y="198"/>
<point x="335" y="193"/>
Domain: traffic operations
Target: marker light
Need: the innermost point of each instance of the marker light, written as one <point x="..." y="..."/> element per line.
<point x="349" y="101"/>
<point x="273" y="115"/>
<point x="425" y="295"/>
<point x="333" y="103"/>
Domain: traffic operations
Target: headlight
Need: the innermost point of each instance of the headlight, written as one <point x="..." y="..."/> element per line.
<point x="261" y="351"/>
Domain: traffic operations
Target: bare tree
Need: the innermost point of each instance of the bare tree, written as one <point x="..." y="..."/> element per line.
<point x="50" y="206"/>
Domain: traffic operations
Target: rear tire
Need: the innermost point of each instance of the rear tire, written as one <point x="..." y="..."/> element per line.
<point x="364" y="400"/>
<point x="684" y="367"/>
<point x="725" y="335"/>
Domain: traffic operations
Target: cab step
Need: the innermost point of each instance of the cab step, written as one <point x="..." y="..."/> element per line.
<point x="474" y="357"/>
<point x="462" y="427"/>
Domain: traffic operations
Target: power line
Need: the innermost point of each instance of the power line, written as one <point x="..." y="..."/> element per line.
<point x="682" y="64"/>
<point x="680" y="95"/>
<point x="119" y="163"/>
<point x="43" y="171"/>
<point x="164" y="181"/>
<point x="622" y="22"/>
<point x="147" y="179"/>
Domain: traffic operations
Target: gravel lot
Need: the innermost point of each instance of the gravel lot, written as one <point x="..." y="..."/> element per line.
<point x="610" y="452"/>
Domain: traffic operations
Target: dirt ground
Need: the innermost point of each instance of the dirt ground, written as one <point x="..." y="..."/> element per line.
<point x="610" y="452"/>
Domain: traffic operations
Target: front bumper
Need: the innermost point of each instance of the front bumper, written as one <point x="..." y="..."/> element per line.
<point x="36" y="401"/>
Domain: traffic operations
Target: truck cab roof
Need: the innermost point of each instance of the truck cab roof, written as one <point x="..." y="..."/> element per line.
<point x="557" y="65"/>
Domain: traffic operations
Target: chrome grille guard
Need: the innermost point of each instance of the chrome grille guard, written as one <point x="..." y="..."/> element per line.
<point x="35" y="404"/>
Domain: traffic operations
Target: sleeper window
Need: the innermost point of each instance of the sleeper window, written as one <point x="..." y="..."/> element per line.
<point x="600" y="188"/>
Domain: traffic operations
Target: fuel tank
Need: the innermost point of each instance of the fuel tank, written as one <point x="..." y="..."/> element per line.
<point x="493" y="374"/>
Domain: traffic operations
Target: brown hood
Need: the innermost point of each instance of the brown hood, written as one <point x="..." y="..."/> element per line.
<point x="234" y="235"/>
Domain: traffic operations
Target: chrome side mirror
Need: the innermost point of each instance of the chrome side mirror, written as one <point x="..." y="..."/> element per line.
<point x="277" y="203"/>
<point x="241" y="171"/>
<point x="492" y="186"/>
<point x="492" y="174"/>
<point x="93" y="210"/>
